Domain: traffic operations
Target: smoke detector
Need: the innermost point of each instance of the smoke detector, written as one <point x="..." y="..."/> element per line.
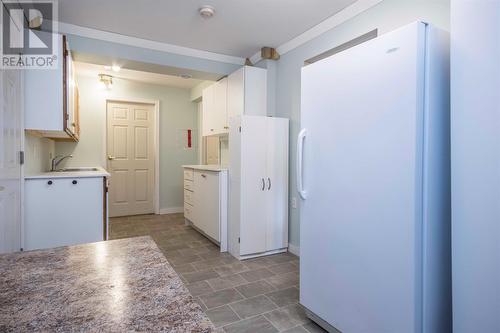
<point x="207" y="11"/>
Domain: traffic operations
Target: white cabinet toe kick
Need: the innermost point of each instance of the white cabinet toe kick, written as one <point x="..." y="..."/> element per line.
<point x="205" y="203"/>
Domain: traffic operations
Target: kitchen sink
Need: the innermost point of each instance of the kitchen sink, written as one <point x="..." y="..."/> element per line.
<point x="77" y="169"/>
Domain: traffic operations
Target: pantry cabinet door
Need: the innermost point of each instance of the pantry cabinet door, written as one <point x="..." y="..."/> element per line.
<point x="277" y="184"/>
<point x="253" y="185"/>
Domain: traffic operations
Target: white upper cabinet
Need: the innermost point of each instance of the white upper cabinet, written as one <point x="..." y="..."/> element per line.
<point x="243" y="92"/>
<point x="220" y="106"/>
<point x="215" y="108"/>
<point x="208" y="124"/>
<point x="51" y="106"/>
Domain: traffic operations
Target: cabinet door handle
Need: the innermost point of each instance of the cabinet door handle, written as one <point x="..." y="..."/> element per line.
<point x="263" y="184"/>
<point x="74" y="182"/>
<point x="268" y="183"/>
<point x="49" y="182"/>
<point x="204" y="176"/>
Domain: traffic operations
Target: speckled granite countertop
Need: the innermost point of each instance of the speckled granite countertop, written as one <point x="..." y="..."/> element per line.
<point x="115" y="286"/>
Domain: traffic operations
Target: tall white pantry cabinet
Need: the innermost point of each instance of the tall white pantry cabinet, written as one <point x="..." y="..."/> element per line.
<point x="258" y="213"/>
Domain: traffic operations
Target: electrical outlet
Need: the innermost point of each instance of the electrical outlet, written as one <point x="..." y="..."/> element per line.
<point x="294" y="203"/>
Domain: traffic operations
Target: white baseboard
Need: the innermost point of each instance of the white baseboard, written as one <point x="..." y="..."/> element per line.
<point x="293" y="249"/>
<point x="171" y="210"/>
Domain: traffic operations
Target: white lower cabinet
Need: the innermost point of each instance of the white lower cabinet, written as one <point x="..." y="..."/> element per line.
<point x="64" y="211"/>
<point x="205" y="203"/>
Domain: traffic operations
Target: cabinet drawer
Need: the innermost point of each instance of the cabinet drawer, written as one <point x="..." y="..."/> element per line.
<point x="188" y="197"/>
<point x="188" y="174"/>
<point x="188" y="185"/>
<point x="188" y="211"/>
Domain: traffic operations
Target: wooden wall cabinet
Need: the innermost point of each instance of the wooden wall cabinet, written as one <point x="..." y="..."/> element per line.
<point x="51" y="99"/>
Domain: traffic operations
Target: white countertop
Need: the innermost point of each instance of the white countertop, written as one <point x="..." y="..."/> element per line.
<point x="207" y="167"/>
<point x="101" y="172"/>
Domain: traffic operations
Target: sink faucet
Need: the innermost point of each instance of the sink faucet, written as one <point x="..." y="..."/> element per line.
<point x="58" y="159"/>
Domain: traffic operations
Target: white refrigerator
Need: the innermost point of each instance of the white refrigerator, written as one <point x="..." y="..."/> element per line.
<point x="373" y="175"/>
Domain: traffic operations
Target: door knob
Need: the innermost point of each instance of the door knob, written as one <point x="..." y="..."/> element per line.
<point x="111" y="157"/>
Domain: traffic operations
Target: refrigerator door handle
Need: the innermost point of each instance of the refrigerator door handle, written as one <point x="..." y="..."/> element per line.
<point x="300" y="150"/>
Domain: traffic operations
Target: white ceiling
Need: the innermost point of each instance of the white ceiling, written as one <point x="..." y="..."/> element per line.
<point x="239" y="27"/>
<point x="128" y="74"/>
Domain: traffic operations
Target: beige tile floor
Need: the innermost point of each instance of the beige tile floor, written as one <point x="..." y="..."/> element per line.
<point x="254" y="296"/>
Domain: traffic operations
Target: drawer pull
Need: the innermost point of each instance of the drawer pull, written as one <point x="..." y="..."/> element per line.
<point x="204" y="176"/>
<point x="74" y="182"/>
<point x="49" y="182"/>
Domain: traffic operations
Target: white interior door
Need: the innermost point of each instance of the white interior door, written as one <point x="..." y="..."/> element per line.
<point x="253" y="185"/>
<point x="131" y="158"/>
<point x="11" y="131"/>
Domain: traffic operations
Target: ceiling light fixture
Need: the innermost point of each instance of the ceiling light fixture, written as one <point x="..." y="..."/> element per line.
<point x="107" y="68"/>
<point x="207" y="11"/>
<point x="105" y="81"/>
<point x="116" y="68"/>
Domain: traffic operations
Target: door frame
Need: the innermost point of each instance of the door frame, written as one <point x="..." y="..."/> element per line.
<point x="156" y="141"/>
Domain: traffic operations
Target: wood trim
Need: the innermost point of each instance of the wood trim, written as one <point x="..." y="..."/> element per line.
<point x="65" y="85"/>
<point x="105" y="208"/>
<point x="66" y="128"/>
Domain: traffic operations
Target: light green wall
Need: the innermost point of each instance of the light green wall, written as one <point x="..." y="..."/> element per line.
<point x="177" y="112"/>
<point x="386" y="16"/>
<point x="197" y="91"/>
